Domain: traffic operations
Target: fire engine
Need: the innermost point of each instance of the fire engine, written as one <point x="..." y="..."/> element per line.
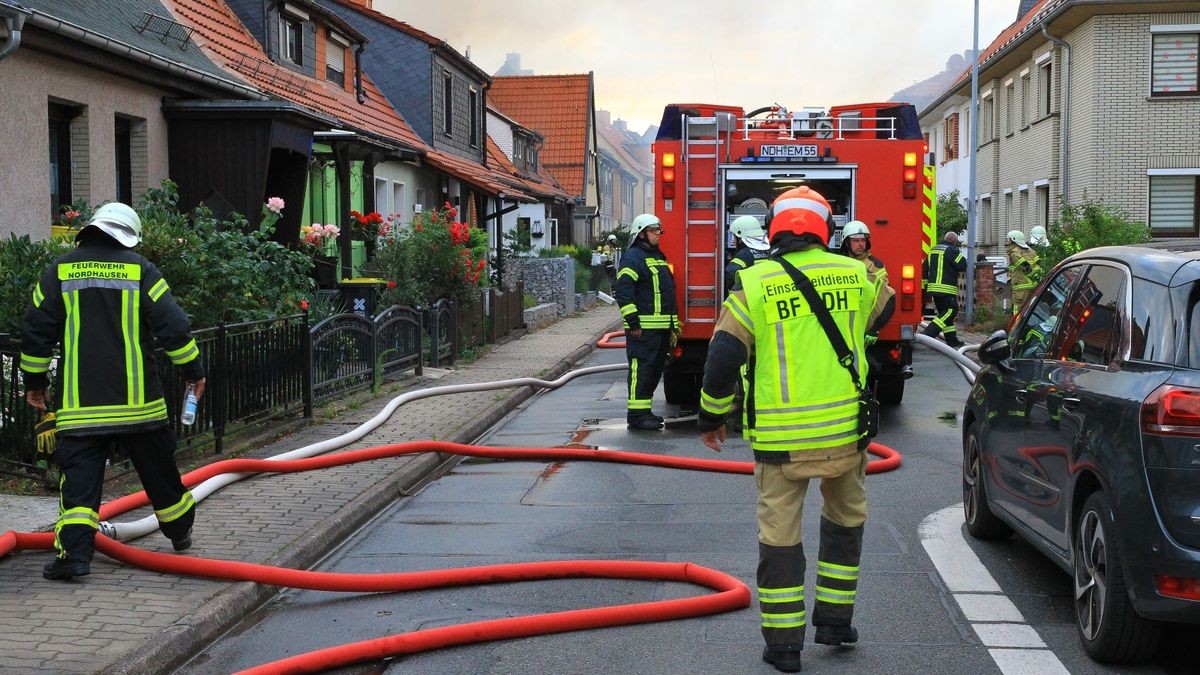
<point x="714" y="163"/>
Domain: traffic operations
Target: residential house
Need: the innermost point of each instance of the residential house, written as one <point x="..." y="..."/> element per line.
<point x="562" y="109"/>
<point x="443" y="96"/>
<point x="517" y="150"/>
<point x="1080" y="99"/>
<point x="86" y="90"/>
<point x="315" y="142"/>
<point x="626" y="173"/>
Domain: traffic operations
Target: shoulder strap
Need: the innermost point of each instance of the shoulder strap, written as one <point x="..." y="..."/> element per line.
<point x="804" y="285"/>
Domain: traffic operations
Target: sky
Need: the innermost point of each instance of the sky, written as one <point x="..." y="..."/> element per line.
<point x="649" y="53"/>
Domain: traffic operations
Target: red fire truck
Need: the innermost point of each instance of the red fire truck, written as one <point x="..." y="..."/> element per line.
<point x="714" y="163"/>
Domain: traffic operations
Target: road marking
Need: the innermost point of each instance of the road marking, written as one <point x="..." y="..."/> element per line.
<point x="1013" y="644"/>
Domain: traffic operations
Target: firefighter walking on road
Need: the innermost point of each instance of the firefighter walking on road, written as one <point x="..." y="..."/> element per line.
<point x="645" y="291"/>
<point x="942" y="267"/>
<point x="110" y="308"/>
<point x="1021" y="259"/>
<point x="801" y="417"/>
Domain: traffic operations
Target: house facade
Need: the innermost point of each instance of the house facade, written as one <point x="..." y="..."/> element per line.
<point x="92" y="87"/>
<point x="562" y="109"/>
<point x="1080" y="100"/>
<point x="625" y="173"/>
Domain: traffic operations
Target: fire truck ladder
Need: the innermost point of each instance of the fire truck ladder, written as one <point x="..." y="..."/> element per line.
<point x="704" y="240"/>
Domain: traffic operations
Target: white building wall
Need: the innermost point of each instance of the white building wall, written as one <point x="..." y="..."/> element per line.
<point x="501" y="133"/>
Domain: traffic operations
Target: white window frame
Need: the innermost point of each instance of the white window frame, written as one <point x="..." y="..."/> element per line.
<point x="1163" y="30"/>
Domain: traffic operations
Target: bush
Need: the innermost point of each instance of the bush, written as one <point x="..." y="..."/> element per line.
<point x="438" y="257"/>
<point x="1084" y="226"/>
<point x="219" y="271"/>
<point x="22" y="262"/>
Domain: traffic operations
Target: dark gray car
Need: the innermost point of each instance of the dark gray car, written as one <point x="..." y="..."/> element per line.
<point x="1083" y="436"/>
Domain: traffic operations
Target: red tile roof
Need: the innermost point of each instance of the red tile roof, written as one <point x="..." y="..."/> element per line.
<point x="558" y="107"/>
<point x="543" y="186"/>
<point x="229" y="44"/>
<point x="618" y="140"/>
<point x="1008" y="35"/>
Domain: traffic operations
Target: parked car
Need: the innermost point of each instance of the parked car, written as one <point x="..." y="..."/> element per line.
<point x="1082" y="434"/>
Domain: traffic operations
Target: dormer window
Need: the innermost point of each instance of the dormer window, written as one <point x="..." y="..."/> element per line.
<point x="335" y="59"/>
<point x="290" y="42"/>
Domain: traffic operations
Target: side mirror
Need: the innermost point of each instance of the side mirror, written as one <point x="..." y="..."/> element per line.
<point x="995" y="349"/>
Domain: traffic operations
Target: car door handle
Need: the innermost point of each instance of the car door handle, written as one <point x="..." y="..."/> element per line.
<point x="1070" y="403"/>
<point x="1020" y="396"/>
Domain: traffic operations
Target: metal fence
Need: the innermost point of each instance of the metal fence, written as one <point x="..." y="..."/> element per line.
<point x="256" y="370"/>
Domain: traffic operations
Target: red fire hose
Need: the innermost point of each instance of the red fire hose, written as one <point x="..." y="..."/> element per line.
<point x="731" y="593"/>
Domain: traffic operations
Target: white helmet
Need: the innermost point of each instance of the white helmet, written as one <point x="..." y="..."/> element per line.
<point x="1017" y="237"/>
<point x="1037" y="235"/>
<point x="642" y="222"/>
<point x="855" y="228"/>
<point x="118" y="221"/>
<point x="750" y="230"/>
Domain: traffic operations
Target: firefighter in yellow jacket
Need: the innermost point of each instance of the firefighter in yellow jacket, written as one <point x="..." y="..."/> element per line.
<point x="109" y="308"/>
<point x="1021" y="259"/>
<point x="801" y="417"/>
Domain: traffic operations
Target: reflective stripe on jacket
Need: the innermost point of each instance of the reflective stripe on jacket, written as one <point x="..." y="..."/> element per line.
<point x="942" y="268"/>
<point x="109" y="308"/>
<point x="799" y="397"/>
<point x="645" y="289"/>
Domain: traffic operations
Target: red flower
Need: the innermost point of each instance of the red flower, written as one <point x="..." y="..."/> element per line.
<point x="391" y="284"/>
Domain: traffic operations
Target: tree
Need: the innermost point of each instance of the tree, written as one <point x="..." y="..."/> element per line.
<point x="951" y="214"/>
<point x="1085" y="226"/>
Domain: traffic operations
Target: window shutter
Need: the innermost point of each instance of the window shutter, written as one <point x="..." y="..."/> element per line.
<point x="955" y="136"/>
<point x="1173" y="203"/>
<point x="1175" y="63"/>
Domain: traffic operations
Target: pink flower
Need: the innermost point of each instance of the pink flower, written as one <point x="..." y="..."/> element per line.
<point x="275" y="204"/>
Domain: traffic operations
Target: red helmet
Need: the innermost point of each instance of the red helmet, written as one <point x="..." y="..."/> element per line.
<point x="801" y="210"/>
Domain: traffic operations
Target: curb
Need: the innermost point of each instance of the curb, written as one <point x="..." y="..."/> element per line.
<point x="172" y="647"/>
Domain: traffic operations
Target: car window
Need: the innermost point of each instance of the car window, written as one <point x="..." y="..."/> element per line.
<point x="1091" y="326"/>
<point x="1152" y="323"/>
<point x="1191" y="318"/>
<point x="1033" y="335"/>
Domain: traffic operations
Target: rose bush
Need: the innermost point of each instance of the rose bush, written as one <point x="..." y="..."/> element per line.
<point x="438" y="257"/>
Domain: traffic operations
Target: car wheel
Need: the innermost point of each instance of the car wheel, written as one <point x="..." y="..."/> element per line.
<point x="1111" y="631"/>
<point x="981" y="522"/>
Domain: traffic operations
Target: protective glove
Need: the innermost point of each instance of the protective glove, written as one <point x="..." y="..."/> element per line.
<point x="45" y="432"/>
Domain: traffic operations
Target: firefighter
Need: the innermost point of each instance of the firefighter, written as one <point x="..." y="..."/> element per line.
<point x="750" y="242"/>
<point x="609" y="249"/>
<point x="1021" y="259"/>
<point x="942" y="267"/>
<point x="856" y="243"/>
<point x="1037" y="237"/>
<point x="801" y="417"/>
<point x="645" y="292"/>
<point x="110" y="308"/>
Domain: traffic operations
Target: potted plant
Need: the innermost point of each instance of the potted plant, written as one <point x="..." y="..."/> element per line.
<point x="318" y="241"/>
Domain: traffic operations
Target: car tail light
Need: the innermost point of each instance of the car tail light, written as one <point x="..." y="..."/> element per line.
<point x="895" y="354"/>
<point x="1177" y="587"/>
<point x="1172" y="411"/>
<point x="908" y="287"/>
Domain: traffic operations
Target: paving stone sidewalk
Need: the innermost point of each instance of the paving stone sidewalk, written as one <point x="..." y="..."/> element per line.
<point x="125" y="620"/>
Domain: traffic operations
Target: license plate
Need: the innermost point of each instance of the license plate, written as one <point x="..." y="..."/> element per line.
<point x="781" y="150"/>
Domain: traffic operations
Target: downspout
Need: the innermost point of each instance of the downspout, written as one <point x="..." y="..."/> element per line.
<point x="14" y="21"/>
<point x="358" y="85"/>
<point x="1066" y="109"/>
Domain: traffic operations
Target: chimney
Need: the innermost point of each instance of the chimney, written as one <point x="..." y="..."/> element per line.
<point x="603" y="118"/>
<point x="621" y="126"/>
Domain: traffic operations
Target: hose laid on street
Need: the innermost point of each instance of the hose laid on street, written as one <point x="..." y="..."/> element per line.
<point x="731" y="593"/>
<point x="968" y="367"/>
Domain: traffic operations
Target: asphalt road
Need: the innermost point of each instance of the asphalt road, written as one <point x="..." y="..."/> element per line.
<point x="488" y="512"/>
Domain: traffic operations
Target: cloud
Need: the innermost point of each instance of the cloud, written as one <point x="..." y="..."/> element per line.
<point x="650" y="53"/>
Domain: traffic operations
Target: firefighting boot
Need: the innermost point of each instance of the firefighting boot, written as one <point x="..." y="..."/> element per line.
<point x="785" y="658"/>
<point x="952" y="340"/>
<point x="836" y="635"/>
<point x="183" y="543"/>
<point x="62" y="569"/>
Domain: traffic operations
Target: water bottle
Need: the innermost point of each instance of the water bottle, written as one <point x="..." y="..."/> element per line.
<point x="189" y="406"/>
